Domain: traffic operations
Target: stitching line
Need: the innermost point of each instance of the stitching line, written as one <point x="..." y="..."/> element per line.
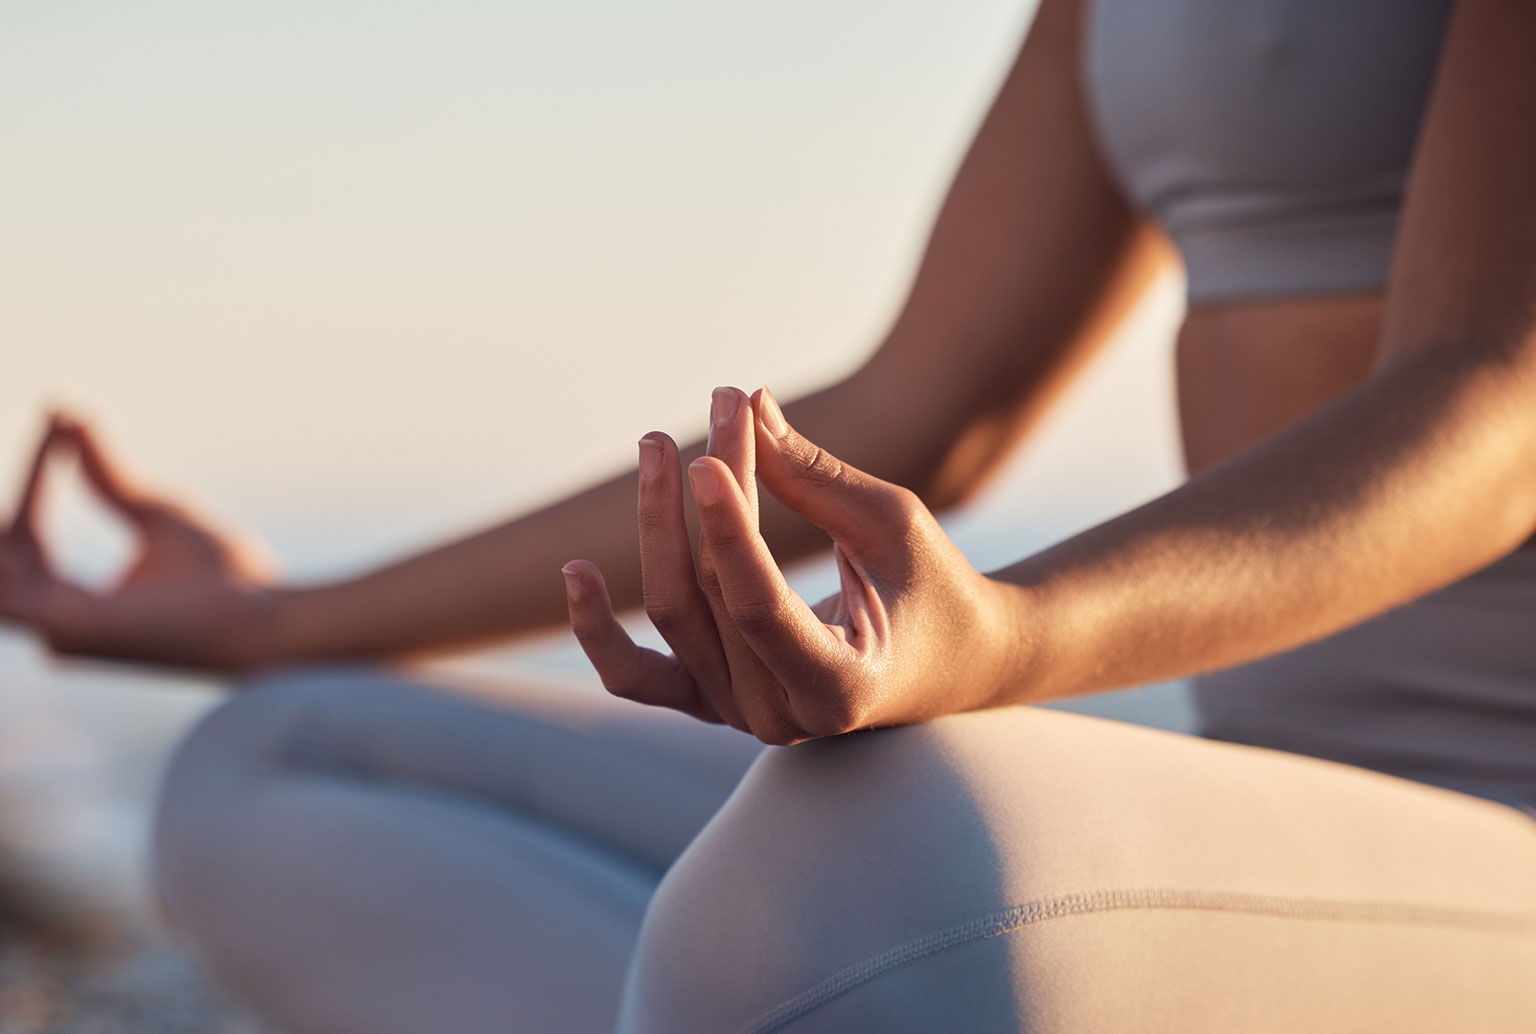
<point x="1017" y="917"/>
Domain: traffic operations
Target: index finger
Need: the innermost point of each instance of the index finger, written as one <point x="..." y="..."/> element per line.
<point x="24" y="519"/>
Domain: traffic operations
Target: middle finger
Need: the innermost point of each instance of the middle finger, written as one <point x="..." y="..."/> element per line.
<point x="674" y="601"/>
<point x="756" y="693"/>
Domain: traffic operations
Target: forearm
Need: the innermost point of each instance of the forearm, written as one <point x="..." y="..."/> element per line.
<point x="1421" y="476"/>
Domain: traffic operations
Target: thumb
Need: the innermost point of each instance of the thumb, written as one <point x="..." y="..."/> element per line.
<point x="857" y="509"/>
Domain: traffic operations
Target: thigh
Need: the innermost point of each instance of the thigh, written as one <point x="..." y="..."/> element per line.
<point x="349" y="851"/>
<point x="1028" y="870"/>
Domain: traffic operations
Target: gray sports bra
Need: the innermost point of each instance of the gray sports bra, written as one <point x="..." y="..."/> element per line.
<point x="1270" y="137"/>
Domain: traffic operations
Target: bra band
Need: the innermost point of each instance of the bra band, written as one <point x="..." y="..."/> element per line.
<point x="1340" y="254"/>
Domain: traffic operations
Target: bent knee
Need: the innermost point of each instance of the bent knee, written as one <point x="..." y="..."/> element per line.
<point x="835" y="859"/>
<point x="1002" y="838"/>
<point x="254" y="729"/>
<point x="228" y="758"/>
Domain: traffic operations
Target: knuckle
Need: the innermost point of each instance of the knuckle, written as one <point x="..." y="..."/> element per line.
<point x="621" y="688"/>
<point x="902" y="530"/>
<point x="651" y="522"/>
<point x="589" y="634"/>
<point x="903" y="507"/>
<point x="757" y="614"/>
<point x="665" y="614"/>
<point x="723" y="536"/>
<point x="822" y="468"/>
<point x="823" y="723"/>
<point x="776" y="732"/>
<point x="733" y="718"/>
<point x="835" y="713"/>
<point x="709" y="580"/>
<point x="586" y="636"/>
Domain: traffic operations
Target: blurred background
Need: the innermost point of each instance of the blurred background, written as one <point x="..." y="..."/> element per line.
<point x="359" y="276"/>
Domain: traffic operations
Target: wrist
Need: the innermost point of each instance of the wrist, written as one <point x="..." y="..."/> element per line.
<point x="245" y="637"/>
<point x="279" y="631"/>
<point x="1023" y="673"/>
<point x="331" y="621"/>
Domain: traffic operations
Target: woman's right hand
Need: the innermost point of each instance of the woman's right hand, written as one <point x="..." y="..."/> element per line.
<point x="193" y="596"/>
<point x="914" y="631"/>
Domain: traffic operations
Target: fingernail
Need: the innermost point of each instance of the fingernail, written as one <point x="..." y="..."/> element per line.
<point x="772" y="416"/>
<point x="722" y="405"/>
<point x="705" y="482"/>
<point x="650" y="457"/>
<point x="572" y="583"/>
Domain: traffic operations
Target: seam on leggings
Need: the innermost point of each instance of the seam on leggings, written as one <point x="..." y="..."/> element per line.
<point x="1018" y="917"/>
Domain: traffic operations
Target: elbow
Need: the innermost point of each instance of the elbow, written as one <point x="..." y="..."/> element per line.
<point x="951" y="443"/>
<point x="1511" y="515"/>
<point x="1502" y="390"/>
<point x="965" y="462"/>
<point x="1484" y="429"/>
<point x="946" y="490"/>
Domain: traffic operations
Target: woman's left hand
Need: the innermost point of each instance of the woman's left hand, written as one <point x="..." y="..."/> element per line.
<point x="914" y="632"/>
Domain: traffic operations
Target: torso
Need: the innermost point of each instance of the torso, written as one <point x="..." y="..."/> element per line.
<point x="1272" y="139"/>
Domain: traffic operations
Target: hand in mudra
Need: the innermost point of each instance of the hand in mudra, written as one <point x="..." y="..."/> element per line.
<point x="192" y="595"/>
<point x="913" y="632"/>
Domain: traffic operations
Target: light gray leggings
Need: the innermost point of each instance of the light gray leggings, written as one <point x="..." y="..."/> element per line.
<point x="356" y="854"/>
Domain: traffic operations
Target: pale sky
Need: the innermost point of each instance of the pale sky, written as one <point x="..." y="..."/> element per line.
<point x="358" y="272"/>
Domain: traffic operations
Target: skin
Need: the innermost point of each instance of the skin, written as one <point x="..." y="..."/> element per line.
<point x="1349" y="454"/>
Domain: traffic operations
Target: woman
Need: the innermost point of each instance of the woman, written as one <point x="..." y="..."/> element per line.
<point x="1357" y="370"/>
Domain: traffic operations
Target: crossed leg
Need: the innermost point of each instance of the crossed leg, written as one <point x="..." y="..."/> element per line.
<point x="352" y="853"/>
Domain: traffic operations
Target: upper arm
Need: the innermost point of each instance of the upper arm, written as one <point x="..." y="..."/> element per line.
<point x="1034" y="250"/>
<point x="1464" y="279"/>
